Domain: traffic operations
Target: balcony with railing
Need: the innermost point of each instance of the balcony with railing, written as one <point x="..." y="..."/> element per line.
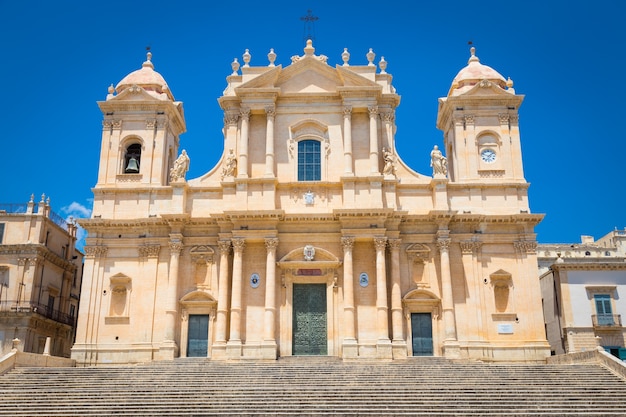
<point x="12" y="307"/>
<point x="607" y="321"/>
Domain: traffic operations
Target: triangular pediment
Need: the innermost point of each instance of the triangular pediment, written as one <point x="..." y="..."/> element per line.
<point x="134" y="93"/>
<point x="308" y="75"/>
<point x="486" y="88"/>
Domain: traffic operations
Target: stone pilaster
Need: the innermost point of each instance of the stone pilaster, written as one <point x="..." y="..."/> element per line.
<point x="383" y="345"/>
<point x="219" y="347"/>
<point x="233" y="347"/>
<point x="350" y="347"/>
<point x="269" y="348"/>
<point x="347" y="140"/>
<point x="450" y="344"/>
<point x="270" y="111"/>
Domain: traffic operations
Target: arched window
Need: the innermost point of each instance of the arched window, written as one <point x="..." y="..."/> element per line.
<point x="132" y="159"/>
<point x="309" y="161"/>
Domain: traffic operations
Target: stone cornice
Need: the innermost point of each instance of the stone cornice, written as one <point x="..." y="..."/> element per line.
<point x="587" y="266"/>
<point x="474" y="184"/>
<point x="32" y="250"/>
<point x="121" y="109"/>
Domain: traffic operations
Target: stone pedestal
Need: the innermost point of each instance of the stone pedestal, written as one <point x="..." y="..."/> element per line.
<point x="383" y="349"/>
<point x="269" y="350"/>
<point x="233" y="349"/>
<point x="398" y="348"/>
<point x="350" y="349"/>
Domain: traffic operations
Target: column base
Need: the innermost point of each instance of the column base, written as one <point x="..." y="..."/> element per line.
<point x="383" y="349"/>
<point x="269" y="349"/>
<point x="451" y="349"/>
<point x="398" y="347"/>
<point x="218" y="351"/>
<point x="233" y="349"/>
<point x="350" y="349"/>
<point x="167" y="351"/>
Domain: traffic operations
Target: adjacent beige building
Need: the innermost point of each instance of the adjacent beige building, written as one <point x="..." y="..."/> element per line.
<point x="583" y="286"/>
<point x="311" y="236"/>
<point x="40" y="278"/>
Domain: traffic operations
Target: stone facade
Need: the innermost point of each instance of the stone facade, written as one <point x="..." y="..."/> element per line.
<point x="311" y="236"/>
<point x="582" y="285"/>
<point x="40" y="278"/>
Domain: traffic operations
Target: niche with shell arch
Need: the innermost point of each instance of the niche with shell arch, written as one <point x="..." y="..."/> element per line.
<point x="502" y="283"/>
<point x="119" y="304"/>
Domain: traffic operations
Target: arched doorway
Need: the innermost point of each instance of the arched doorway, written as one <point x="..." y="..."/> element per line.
<point x="197" y="318"/>
<point x="422" y="310"/>
<point x="308" y="316"/>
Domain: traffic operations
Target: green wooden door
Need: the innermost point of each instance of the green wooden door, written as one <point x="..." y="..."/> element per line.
<point x="422" y="331"/>
<point x="310" y="336"/>
<point x="198" y="336"/>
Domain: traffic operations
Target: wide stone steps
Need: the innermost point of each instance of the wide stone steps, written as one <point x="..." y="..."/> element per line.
<point x="314" y="387"/>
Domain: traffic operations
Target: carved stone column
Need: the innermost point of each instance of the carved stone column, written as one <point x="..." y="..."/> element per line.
<point x="347" y="140"/>
<point x="242" y="168"/>
<point x="382" y="309"/>
<point x="350" y="348"/>
<point x="388" y="118"/>
<point x="171" y="310"/>
<point x="222" y="300"/>
<point x="269" y="142"/>
<point x="398" y="342"/>
<point x="469" y="250"/>
<point x="373" y="111"/>
<point x="451" y="348"/>
<point x="269" y="348"/>
<point x="234" y="343"/>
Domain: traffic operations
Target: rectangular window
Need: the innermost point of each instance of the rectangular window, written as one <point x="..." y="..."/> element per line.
<point x="1" y="232"/>
<point x="604" y="310"/>
<point x="309" y="161"/>
<point x="50" y="304"/>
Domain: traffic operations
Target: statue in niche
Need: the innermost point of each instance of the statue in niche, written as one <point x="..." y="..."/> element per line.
<point x="180" y="168"/>
<point x="438" y="162"/>
<point x="231" y="165"/>
<point x="390" y="162"/>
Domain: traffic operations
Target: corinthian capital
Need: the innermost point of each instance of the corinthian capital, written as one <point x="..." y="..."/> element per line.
<point x="271" y="244"/>
<point x="380" y="243"/>
<point x="347" y="242"/>
<point x="239" y="244"/>
<point x="224" y="246"/>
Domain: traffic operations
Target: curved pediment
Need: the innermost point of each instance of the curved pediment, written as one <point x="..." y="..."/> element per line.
<point x="197" y="297"/>
<point x="421" y="294"/>
<point x="318" y="255"/>
<point x="309" y="256"/>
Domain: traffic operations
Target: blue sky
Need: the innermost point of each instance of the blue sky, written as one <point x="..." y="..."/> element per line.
<point x="566" y="57"/>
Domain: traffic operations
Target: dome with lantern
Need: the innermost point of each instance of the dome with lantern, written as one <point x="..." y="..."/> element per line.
<point x="474" y="73"/>
<point x="148" y="79"/>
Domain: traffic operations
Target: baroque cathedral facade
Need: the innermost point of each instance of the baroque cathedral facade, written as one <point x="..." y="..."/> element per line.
<point x="311" y="236"/>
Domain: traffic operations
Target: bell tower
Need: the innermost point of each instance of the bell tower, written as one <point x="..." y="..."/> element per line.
<point x="140" y="131"/>
<point x="479" y="119"/>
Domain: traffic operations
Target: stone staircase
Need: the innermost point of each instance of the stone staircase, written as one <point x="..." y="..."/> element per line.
<point x="314" y="386"/>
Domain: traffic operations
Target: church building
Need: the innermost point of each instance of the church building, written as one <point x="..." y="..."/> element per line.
<point x="311" y="236"/>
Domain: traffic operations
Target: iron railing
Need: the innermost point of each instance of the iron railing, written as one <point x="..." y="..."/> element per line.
<point x="13" y="306"/>
<point x="606" y="320"/>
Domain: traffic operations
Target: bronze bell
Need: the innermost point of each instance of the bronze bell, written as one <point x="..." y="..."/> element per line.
<point x="132" y="167"/>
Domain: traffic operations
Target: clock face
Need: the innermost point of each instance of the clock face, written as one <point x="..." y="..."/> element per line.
<point x="488" y="156"/>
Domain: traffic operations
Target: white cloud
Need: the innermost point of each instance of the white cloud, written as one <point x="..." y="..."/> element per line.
<point x="77" y="210"/>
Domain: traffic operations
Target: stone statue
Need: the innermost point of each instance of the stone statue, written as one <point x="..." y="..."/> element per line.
<point x="231" y="165"/>
<point x="390" y="162"/>
<point x="180" y="168"/>
<point x="438" y="162"/>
